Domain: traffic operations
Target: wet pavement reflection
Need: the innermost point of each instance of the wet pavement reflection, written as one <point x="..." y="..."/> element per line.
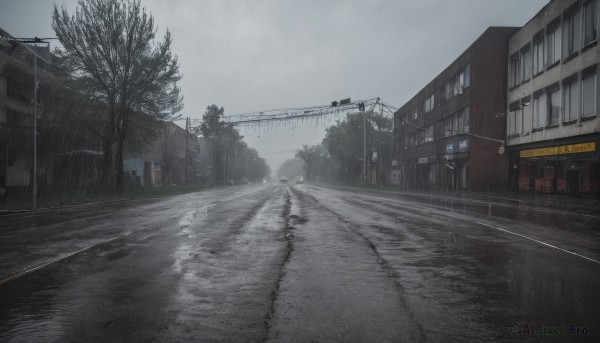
<point x="311" y="263"/>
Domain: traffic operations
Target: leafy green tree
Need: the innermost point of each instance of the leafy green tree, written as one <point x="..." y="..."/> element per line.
<point x="312" y="155"/>
<point x="344" y="143"/>
<point x="111" y="58"/>
<point x="231" y="157"/>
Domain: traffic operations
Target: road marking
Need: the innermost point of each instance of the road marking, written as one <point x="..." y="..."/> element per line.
<point x="492" y="227"/>
<point x="19" y="274"/>
<point x="22" y="273"/>
<point x="537" y="241"/>
<point x="15" y="275"/>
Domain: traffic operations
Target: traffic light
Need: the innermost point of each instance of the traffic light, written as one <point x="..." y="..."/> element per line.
<point x="361" y="106"/>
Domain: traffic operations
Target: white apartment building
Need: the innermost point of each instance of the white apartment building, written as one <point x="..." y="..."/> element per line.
<point x="553" y="126"/>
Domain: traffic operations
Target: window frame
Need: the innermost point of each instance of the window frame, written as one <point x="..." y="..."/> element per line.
<point x="515" y="73"/>
<point x="526" y="106"/>
<point x="538" y="47"/>
<point x="550" y="91"/>
<point x="585" y="75"/>
<point x="512" y="119"/>
<point x="538" y="104"/>
<point x="572" y="32"/>
<point x="553" y="34"/>
<point x="524" y="64"/>
<point x="589" y="4"/>
<point x="571" y="100"/>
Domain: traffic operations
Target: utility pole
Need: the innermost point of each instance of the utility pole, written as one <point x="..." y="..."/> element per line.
<point x="365" y="139"/>
<point x="34" y="133"/>
<point x="235" y="160"/>
<point x="23" y="42"/>
<point x="365" y="147"/>
<point x="163" y="176"/>
<point x="380" y="153"/>
<point x="187" y="152"/>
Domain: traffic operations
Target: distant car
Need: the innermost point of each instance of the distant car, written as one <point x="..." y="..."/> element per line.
<point x="299" y="180"/>
<point x="283" y="179"/>
<point x="244" y="181"/>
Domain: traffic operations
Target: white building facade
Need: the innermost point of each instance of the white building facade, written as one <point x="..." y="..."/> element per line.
<point x="553" y="125"/>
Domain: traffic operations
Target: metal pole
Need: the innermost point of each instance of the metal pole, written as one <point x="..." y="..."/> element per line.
<point x="35" y="133"/>
<point x="187" y="153"/>
<point x="35" y="58"/>
<point x="380" y="154"/>
<point x="365" y="147"/>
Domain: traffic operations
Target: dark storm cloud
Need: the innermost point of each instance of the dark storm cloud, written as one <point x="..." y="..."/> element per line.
<point x="257" y="55"/>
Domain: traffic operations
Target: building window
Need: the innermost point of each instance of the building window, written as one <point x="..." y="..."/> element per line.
<point x="526" y="112"/>
<point x="515" y="80"/>
<point x="448" y="126"/>
<point x="553" y="43"/>
<point x="429" y="134"/>
<point x="455" y="124"/>
<point x="590" y="24"/>
<point x="538" y="56"/>
<point x="428" y="104"/>
<point x="514" y="121"/>
<point x="410" y="140"/>
<point x="442" y="93"/>
<point x="590" y="92"/>
<point x="571" y="101"/>
<point x="464" y="77"/>
<point x="571" y="33"/>
<point x="539" y="111"/>
<point x="421" y="136"/>
<point x="456" y="89"/>
<point x="526" y="63"/>
<point x="415" y="112"/>
<point x="466" y="119"/>
<point x="553" y="107"/>
<point x="510" y="122"/>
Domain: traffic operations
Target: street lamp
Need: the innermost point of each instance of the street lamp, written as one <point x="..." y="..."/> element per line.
<point x="34" y="40"/>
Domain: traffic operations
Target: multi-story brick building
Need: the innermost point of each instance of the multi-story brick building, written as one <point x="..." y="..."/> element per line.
<point x="553" y="125"/>
<point x="448" y="136"/>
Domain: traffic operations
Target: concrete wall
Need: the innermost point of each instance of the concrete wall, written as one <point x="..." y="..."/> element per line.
<point x="586" y="57"/>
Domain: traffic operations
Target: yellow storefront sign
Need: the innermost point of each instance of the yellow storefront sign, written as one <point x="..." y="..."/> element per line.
<point x="559" y="150"/>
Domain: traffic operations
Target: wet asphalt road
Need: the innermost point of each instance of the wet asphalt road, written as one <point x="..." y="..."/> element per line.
<point x="301" y="263"/>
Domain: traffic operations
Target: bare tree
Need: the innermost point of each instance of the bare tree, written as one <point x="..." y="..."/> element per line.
<point x="111" y="58"/>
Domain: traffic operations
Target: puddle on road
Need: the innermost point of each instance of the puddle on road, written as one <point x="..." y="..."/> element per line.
<point x="189" y="218"/>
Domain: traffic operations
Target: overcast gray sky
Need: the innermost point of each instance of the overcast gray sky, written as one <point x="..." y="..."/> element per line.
<point x="258" y="55"/>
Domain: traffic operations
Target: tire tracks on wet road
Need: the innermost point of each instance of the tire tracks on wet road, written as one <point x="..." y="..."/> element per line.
<point x="458" y="271"/>
<point x="11" y="276"/>
<point x="335" y="285"/>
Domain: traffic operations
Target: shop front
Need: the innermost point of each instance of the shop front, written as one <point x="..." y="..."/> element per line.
<point x="426" y="175"/>
<point x="454" y="170"/>
<point x="566" y="168"/>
